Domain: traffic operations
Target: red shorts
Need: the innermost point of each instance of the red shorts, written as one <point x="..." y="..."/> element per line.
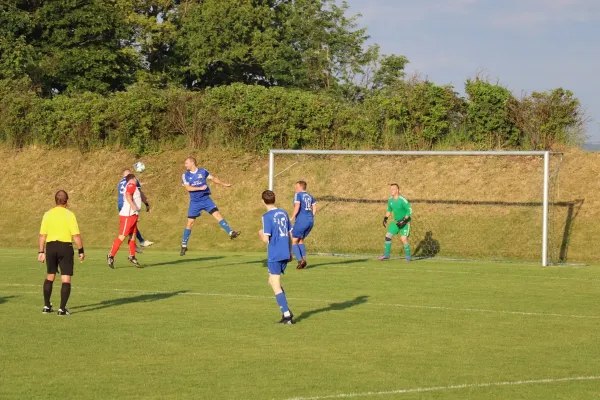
<point x="128" y="225"/>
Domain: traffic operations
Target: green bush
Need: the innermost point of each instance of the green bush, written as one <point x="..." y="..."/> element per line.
<point x="414" y="115"/>
<point x="488" y="119"/>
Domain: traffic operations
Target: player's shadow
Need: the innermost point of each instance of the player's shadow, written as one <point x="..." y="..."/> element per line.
<point x="333" y="307"/>
<point x="264" y="262"/>
<point x="142" y="298"/>
<point x="345" y="262"/>
<point x="428" y="247"/>
<point x="4" y="299"/>
<point x="183" y="261"/>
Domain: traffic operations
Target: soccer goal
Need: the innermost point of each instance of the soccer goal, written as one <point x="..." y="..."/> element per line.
<point x="494" y="205"/>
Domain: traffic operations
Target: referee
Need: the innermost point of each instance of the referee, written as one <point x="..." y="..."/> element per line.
<point x="59" y="225"/>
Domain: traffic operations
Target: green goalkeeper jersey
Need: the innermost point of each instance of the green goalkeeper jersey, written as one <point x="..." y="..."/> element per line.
<point x="400" y="208"/>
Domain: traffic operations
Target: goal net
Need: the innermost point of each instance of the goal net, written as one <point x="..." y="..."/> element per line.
<point x="466" y="205"/>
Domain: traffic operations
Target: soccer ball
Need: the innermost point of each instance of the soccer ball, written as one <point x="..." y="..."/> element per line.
<point x="139" y="166"/>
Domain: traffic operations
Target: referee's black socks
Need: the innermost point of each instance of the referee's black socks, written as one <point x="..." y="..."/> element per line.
<point x="47" y="292"/>
<point x="65" y="292"/>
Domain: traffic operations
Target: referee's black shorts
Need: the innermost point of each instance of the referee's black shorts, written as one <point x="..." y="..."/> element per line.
<point x="60" y="254"/>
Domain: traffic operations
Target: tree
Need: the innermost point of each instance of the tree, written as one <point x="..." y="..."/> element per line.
<point x="307" y="44"/>
<point x="85" y="45"/>
<point x="226" y="41"/>
<point x="390" y="71"/>
<point x="155" y="25"/>
<point x="17" y="56"/>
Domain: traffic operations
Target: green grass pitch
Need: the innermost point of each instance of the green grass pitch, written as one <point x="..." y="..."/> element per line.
<point x="203" y="327"/>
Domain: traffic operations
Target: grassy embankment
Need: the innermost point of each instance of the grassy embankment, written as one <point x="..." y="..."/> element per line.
<point x="475" y="207"/>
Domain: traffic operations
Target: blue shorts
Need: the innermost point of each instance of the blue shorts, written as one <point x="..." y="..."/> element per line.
<point x="301" y="229"/>
<point x="277" y="267"/>
<point x="205" y="204"/>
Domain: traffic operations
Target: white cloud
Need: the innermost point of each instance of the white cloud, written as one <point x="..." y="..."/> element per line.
<point x="521" y="15"/>
<point x="536" y="15"/>
<point x="408" y="11"/>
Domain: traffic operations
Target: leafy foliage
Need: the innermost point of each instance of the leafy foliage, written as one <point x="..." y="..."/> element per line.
<point x="488" y="115"/>
<point x="253" y="74"/>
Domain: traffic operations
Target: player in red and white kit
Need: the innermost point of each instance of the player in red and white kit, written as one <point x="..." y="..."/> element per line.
<point x="129" y="216"/>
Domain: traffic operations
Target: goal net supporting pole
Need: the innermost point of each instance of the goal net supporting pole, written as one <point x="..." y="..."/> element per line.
<point x="545" y="154"/>
<point x="545" y="207"/>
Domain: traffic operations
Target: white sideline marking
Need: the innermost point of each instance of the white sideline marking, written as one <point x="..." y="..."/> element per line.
<point x="445" y="388"/>
<point x="463" y="273"/>
<point x="367" y="303"/>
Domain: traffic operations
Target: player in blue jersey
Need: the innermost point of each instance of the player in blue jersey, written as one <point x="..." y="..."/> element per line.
<point x="305" y="208"/>
<point x="121" y="198"/>
<point x="276" y="233"/>
<point x="195" y="181"/>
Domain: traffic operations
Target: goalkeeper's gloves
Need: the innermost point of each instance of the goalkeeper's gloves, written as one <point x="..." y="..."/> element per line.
<point x="385" y="219"/>
<point x="402" y="222"/>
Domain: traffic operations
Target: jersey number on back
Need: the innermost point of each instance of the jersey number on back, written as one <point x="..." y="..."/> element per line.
<point x="307" y="203"/>
<point x="282" y="225"/>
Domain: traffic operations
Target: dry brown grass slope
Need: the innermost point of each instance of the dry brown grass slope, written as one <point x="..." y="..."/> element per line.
<point x="474" y="207"/>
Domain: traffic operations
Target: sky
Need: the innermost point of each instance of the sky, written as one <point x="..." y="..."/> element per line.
<point x="525" y="45"/>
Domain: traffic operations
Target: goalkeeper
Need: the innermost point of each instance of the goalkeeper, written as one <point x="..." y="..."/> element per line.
<point x="400" y="207"/>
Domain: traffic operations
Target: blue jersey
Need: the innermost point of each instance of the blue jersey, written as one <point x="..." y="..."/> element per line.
<point x="306" y="202"/>
<point x="121" y="189"/>
<point x="276" y="225"/>
<point x="197" y="179"/>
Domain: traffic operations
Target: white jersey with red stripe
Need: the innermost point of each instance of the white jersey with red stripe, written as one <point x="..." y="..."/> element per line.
<point x="132" y="189"/>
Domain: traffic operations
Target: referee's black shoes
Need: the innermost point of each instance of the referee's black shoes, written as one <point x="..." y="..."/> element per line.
<point x="63" y="312"/>
<point x="47" y="310"/>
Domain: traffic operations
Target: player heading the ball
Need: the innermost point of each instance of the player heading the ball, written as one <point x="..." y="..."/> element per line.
<point x="401" y="210"/>
<point x="121" y="200"/>
<point x="128" y="215"/>
<point x="305" y="208"/>
<point x="195" y="181"/>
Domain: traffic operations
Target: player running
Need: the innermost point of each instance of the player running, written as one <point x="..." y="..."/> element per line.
<point x="276" y="233"/>
<point x="121" y="190"/>
<point x="400" y="207"/>
<point x="195" y="181"/>
<point x="305" y="208"/>
<point x="129" y="216"/>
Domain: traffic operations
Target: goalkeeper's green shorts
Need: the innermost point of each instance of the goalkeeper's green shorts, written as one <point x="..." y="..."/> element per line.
<point x="394" y="230"/>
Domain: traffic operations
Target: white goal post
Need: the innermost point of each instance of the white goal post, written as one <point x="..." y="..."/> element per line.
<point x="545" y="178"/>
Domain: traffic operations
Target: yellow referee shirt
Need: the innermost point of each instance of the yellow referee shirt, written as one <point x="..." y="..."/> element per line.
<point x="59" y="224"/>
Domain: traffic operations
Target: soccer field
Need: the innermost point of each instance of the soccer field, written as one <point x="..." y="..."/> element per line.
<point x="203" y="327"/>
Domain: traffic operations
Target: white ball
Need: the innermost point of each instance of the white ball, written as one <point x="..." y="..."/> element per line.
<point x="139" y="166"/>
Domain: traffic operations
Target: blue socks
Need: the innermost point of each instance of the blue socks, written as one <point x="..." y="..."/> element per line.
<point x="296" y="251"/>
<point x="188" y="232"/>
<point x="186" y="236"/>
<point x="139" y="237"/>
<point x="225" y="226"/>
<point x="299" y="251"/>
<point x="282" y="302"/>
<point x="302" y="250"/>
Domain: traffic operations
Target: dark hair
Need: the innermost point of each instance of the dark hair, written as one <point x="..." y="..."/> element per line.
<point x="61" y="197"/>
<point x="129" y="177"/>
<point x="302" y="183"/>
<point x="395" y="184"/>
<point x="192" y="159"/>
<point x="268" y="197"/>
